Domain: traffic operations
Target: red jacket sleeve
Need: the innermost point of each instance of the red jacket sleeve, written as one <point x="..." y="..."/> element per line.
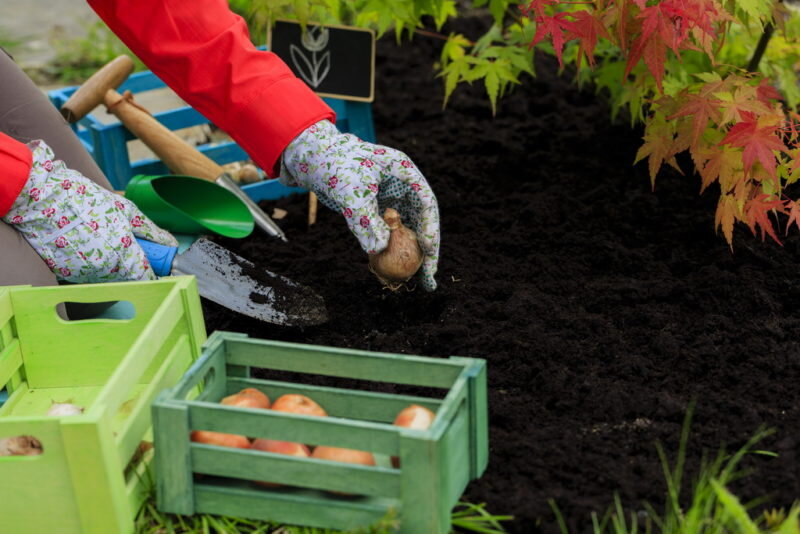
<point x="202" y="50"/>
<point x="15" y="166"/>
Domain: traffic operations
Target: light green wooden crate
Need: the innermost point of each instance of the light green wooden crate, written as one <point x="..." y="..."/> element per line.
<point x="84" y="481"/>
<point x="435" y="465"/>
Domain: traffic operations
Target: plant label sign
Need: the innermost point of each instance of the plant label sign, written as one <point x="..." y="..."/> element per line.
<point x="335" y="61"/>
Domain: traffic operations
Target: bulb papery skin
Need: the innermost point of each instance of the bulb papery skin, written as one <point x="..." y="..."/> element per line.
<point x="58" y="409"/>
<point x="402" y="258"/>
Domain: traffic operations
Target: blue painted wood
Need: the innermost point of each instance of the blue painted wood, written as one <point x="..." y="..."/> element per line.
<point x="270" y="190"/>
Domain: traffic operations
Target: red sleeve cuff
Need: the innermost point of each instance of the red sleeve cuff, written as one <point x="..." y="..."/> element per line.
<point x="274" y="117"/>
<point x="15" y="162"/>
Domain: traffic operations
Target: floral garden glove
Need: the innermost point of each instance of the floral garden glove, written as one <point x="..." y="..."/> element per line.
<point x="83" y="232"/>
<point x="360" y="180"/>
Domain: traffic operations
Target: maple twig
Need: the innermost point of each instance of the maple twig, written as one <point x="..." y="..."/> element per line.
<point x="761" y="47"/>
<point x="514" y="15"/>
<point x="428" y="33"/>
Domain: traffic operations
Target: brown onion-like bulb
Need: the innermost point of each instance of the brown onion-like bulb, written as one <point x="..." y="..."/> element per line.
<point x="401" y="258"/>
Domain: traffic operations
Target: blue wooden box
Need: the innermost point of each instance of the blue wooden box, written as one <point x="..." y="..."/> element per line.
<point x="107" y="143"/>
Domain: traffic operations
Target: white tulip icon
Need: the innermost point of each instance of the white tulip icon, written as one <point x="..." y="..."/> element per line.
<point x="315" y="69"/>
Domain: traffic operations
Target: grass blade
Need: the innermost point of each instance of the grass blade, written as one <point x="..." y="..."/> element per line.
<point x="734" y="509"/>
<point x="562" y="525"/>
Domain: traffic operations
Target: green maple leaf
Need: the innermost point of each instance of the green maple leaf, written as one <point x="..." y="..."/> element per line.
<point x="454" y="72"/>
<point x="657" y="147"/>
<point x="758" y="9"/>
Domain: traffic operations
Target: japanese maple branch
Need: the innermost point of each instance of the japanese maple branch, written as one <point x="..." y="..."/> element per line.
<point x="761" y="47"/>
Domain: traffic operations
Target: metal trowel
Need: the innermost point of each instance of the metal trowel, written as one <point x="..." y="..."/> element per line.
<point x="238" y="284"/>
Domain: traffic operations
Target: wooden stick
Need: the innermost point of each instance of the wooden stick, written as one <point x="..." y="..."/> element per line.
<point x="91" y="93"/>
<point x="179" y="156"/>
<point x="312" y="208"/>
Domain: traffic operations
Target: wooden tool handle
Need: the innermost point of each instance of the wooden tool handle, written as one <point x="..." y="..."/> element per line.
<point x="178" y="155"/>
<point x="91" y="93"/>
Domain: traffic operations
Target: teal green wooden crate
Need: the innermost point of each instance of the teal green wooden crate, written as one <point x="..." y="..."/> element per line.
<point x="89" y="478"/>
<point x="435" y="465"/>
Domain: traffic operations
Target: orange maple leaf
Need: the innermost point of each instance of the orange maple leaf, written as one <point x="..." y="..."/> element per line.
<point x="727" y="209"/>
<point x="744" y="100"/>
<point x="720" y="163"/>
<point x="657" y="147"/>
<point x="794" y="214"/>
<point x="702" y="108"/>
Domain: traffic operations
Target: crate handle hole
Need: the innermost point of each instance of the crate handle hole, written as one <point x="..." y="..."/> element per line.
<point x="114" y="310"/>
<point x="20" y="446"/>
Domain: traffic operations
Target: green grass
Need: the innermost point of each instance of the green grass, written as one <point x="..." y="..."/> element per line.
<point x="467" y="518"/>
<point x="8" y="43"/>
<point x="77" y="59"/>
<point x="710" y="508"/>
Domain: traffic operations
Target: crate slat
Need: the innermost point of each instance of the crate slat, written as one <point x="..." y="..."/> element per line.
<point x="10" y="361"/>
<point x="173" y="461"/>
<point x="331" y="431"/>
<point x="138" y="421"/>
<point x="331" y="361"/>
<point x="339" y="402"/>
<point x="292" y="507"/>
<point x="253" y="465"/>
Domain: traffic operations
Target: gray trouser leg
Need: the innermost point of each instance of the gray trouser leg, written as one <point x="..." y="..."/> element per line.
<point x="27" y="114"/>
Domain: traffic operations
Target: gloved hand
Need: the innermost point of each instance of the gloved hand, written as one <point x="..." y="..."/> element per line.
<point x="83" y="232"/>
<point x="360" y="180"/>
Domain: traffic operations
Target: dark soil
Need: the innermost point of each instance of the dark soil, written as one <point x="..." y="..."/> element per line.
<point x="603" y="308"/>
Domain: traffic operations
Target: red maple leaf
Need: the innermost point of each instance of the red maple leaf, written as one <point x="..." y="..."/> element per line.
<point x="658" y="33"/>
<point x="758" y="143"/>
<point x="586" y="28"/>
<point x="538" y="7"/>
<point x="766" y="92"/>
<point x="555" y="26"/>
<point x="757" y="210"/>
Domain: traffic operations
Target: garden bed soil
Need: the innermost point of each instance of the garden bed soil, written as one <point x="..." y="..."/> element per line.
<point x="604" y="308"/>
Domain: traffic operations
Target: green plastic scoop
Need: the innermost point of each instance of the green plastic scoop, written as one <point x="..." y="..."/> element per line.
<point x="189" y="205"/>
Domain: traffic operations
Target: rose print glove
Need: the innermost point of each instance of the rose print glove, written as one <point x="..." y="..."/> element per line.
<point x="83" y="232"/>
<point x="360" y="180"/>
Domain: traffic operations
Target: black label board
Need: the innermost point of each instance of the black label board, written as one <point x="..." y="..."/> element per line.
<point x="335" y="61"/>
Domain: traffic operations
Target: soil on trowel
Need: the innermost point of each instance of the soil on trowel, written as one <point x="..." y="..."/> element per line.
<point x="604" y="308"/>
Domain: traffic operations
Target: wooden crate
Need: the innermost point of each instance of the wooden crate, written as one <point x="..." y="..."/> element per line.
<point x="435" y="465"/>
<point x="89" y="478"/>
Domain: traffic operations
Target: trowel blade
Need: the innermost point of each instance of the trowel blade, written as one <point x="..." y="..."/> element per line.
<point x="241" y="286"/>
